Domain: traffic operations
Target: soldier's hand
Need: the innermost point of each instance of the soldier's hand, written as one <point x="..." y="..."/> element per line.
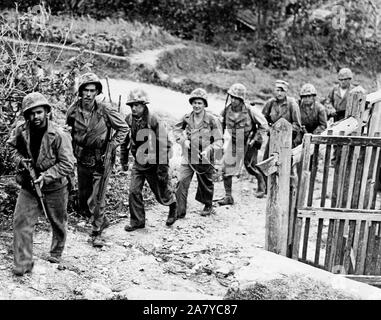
<point x="40" y="181"/>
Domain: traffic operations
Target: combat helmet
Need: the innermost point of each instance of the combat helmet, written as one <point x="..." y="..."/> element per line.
<point x="345" y="73"/>
<point x="137" y="96"/>
<point x="238" y="90"/>
<point x="199" y="93"/>
<point x="89" y="78"/>
<point x="308" y="89"/>
<point x="34" y="99"/>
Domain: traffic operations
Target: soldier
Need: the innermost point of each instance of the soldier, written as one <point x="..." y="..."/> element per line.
<point x="313" y="113"/>
<point x="41" y="144"/>
<point x="338" y="97"/>
<point x="200" y="135"/>
<point x="283" y="106"/>
<point x="151" y="149"/>
<point x="91" y="122"/>
<point x="247" y="128"/>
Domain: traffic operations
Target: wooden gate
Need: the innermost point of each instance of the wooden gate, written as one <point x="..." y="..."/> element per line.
<point x="337" y="227"/>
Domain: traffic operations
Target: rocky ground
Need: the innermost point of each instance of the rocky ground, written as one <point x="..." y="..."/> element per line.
<point x="196" y="255"/>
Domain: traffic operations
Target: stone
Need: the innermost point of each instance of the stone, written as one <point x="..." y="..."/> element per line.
<point x="97" y="291"/>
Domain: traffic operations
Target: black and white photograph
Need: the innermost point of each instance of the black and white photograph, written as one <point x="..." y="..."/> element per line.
<point x="190" y="155"/>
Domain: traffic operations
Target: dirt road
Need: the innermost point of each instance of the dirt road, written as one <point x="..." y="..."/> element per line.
<point x="196" y="255"/>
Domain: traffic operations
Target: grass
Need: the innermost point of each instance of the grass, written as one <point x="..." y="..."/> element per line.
<point x="290" y="287"/>
<point x="134" y="35"/>
<point x="204" y="65"/>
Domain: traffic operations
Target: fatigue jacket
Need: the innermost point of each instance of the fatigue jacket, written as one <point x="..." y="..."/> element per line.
<point x="334" y="98"/>
<point x="55" y="160"/>
<point x="249" y="119"/>
<point x="288" y="110"/>
<point x="90" y="139"/>
<point x="314" y="117"/>
<point x="205" y="136"/>
<point x="148" y="139"/>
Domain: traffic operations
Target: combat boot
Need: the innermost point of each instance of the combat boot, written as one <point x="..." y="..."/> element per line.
<point x="261" y="189"/>
<point x="227" y="200"/>
<point x="98" y="241"/>
<point x="172" y="215"/>
<point x="208" y="210"/>
<point x="20" y="270"/>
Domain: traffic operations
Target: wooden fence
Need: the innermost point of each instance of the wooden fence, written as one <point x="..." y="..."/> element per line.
<point x="322" y="214"/>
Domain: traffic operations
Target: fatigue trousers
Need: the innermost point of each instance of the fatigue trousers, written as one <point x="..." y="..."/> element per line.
<point x="88" y="187"/>
<point x="205" y="188"/>
<point x="249" y="161"/>
<point x="159" y="187"/>
<point x="25" y="219"/>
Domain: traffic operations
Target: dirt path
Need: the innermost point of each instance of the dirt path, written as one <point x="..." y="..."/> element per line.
<point x="150" y="57"/>
<point x="196" y="255"/>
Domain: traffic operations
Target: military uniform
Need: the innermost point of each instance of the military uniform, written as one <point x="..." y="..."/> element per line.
<point x="151" y="148"/>
<point x="205" y="136"/>
<point x="314" y="115"/>
<point x="90" y="134"/>
<point x="338" y="102"/>
<point x="51" y="155"/>
<point x="336" y="99"/>
<point x="287" y="109"/>
<point x="247" y="129"/>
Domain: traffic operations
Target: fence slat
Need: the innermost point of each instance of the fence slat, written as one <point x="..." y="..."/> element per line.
<point x="315" y="163"/>
<point x="358" y="178"/>
<point x="318" y="241"/>
<point x="327" y="160"/>
<point x="361" y="254"/>
<point x="369" y="268"/>
<point x="346" y="140"/>
<point x="349" y="177"/>
<point x="377" y="180"/>
<point x="378" y="252"/>
<point x="348" y="248"/>
<point x="305" y="240"/>
<point x="369" y="186"/>
<point x="328" y="247"/>
<point x="337" y="177"/>
<point x="339" y="244"/>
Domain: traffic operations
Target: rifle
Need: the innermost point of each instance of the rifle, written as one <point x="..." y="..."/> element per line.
<point x="36" y="187"/>
<point x="107" y="165"/>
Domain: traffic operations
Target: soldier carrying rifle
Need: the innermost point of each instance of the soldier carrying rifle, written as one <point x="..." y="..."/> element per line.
<point x="44" y="156"/>
<point x="91" y="125"/>
<point x="200" y="135"/>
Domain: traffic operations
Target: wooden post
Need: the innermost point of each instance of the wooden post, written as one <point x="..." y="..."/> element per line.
<point x="278" y="199"/>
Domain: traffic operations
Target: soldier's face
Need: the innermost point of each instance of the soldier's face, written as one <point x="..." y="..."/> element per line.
<point x="198" y="106"/>
<point x="280" y="94"/>
<point x="308" y="100"/>
<point x="236" y="102"/>
<point x="137" y="109"/>
<point x="89" y="93"/>
<point x="345" y="83"/>
<point x="38" y="116"/>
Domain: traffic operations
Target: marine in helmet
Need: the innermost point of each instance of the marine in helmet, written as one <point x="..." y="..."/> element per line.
<point x="312" y="112"/>
<point x="90" y="121"/>
<point x="246" y="128"/>
<point x="338" y="96"/>
<point x="151" y="148"/>
<point x="283" y="106"/>
<point x="47" y="148"/>
<point x="200" y="135"/>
